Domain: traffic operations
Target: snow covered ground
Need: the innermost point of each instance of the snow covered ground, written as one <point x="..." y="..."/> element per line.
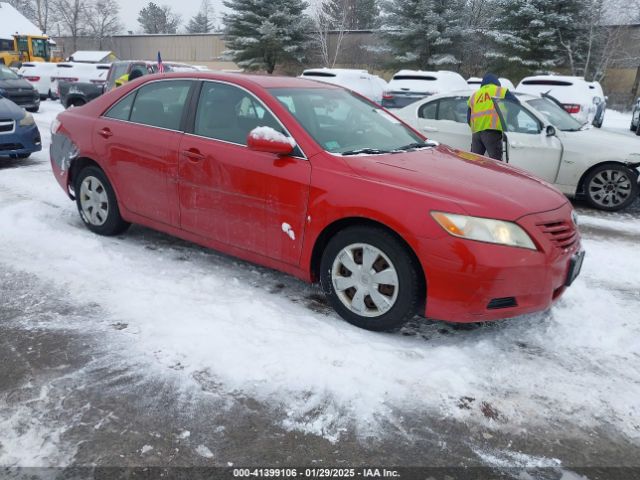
<point x="213" y="325"/>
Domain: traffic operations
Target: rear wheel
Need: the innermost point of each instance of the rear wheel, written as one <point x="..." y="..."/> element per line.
<point x="611" y="187"/>
<point x="97" y="203"/>
<point x="370" y="278"/>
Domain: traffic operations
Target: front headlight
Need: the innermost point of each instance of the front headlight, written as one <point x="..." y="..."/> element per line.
<point x="484" y="230"/>
<point x="27" y="120"/>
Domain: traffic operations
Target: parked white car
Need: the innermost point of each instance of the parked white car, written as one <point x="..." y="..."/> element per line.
<point x="545" y="140"/>
<point x="39" y="75"/>
<point x="578" y="97"/>
<point x="408" y="86"/>
<point x="79" y="72"/>
<point x="360" y="81"/>
<point x="475" y="83"/>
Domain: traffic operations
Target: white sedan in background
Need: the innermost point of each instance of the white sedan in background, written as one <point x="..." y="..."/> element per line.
<point x="545" y="140"/>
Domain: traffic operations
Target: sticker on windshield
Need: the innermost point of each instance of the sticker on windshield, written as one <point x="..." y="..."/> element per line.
<point x="332" y="145"/>
<point x="385" y="115"/>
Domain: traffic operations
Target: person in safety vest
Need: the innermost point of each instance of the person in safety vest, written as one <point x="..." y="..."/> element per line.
<point x="483" y="118"/>
<point x="127" y="77"/>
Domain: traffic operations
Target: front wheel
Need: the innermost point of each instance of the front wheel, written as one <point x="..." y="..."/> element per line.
<point x="611" y="187"/>
<point x="97" y="203"/>
<point x="370" y="278"/>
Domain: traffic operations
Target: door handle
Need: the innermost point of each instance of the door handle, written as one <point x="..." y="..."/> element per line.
<point x="105" y="133"/>
<point x="517" y="145"/>
<point x="193" y="154"/>
<point x="430" y="129"/>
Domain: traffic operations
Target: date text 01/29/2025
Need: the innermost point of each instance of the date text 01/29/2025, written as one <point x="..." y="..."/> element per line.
<point x="315" y="473"/>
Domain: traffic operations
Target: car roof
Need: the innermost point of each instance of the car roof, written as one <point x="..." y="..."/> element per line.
<point x="335" y="70"/>
<point x="468" y="93"/>
<point x="264" y="81"/>
<point x="566" y="78"/>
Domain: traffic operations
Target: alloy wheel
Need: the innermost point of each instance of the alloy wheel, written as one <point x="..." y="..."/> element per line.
<point x="610" y="188"/>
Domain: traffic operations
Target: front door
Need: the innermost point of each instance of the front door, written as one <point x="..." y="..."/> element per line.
<point x="251" y="200"/>
<point x="528" y="146"/>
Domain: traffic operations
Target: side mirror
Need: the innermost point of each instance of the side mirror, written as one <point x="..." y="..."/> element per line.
<point x="268" y="140"/>
<point x="550" y="131"/>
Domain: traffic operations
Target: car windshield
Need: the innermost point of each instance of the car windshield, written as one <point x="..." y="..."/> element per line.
<point x="7" y="74"/>
<point x="555" y="115"/>
<point x="345" y="124"/>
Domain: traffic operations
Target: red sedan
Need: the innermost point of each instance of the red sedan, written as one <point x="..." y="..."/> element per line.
<point x="318" y="182"/>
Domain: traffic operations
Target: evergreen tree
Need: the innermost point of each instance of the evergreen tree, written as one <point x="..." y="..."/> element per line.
<point x="202" y="22"/>
<point x="158" y="19"/>
<point x="424" y="33"/>
<point x="261" y="34"/>
<point x="352" y="14"/>
<point x="531" y="34"/>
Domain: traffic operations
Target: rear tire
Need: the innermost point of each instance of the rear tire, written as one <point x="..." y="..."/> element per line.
<point x="97" y="203"/>
<point x="611" y="187"/>
<point x="370" y="278"/>
<point x="33" y="110"/>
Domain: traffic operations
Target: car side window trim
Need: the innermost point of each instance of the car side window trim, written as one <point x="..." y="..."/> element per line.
<point x="185" y="111"/>
<point x="193" y="110"/>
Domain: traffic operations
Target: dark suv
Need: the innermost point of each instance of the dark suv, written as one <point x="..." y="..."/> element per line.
<point x="18" y="90"/>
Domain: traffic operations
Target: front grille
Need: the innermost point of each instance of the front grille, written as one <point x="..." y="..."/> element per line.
<point x="562" y="233"/>
<point x="6" y="126"/>
<point x="21" y="98"/>
<point x="4" y="147"/>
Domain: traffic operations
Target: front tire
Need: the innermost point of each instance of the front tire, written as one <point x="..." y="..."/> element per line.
<point x="97" y="203"/>
<point x="370" y="278"/>
<point x="611" y="187"/>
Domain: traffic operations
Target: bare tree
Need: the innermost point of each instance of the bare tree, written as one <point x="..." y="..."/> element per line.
<point x="329" y="19"/>
<point x="102" y="20"/>
<point x="71" y="15"/>
<point x="41" y="14"/>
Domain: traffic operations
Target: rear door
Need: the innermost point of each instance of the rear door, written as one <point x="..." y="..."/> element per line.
<point x="528" y="146"/>
<point x="250" y="200"/>
<point x="138" y="138"/>
<point x="445" y="120"/>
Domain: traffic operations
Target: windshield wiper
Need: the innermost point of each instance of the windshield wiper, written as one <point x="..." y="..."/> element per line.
<point x="414" y="146"/>
<point x="365" y="151"/>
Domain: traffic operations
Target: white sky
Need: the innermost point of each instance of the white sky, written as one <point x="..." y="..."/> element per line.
<point x="129" y="10"/>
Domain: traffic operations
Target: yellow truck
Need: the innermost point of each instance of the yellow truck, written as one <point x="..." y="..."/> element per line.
<point x="27" y="48"/>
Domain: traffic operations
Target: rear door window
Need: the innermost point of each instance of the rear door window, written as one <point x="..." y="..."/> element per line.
<point x="428" y="111"/>
<point x="161" y="104"/>
<point x="453" y="109"/>
<point x="122" y="109"/>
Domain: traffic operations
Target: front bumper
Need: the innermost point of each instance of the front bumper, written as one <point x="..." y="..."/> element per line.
<point x="471" y="281"/>
<point x="22" y="141"/>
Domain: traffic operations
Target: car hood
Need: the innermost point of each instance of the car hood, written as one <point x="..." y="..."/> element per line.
<point x="17" y="83"/>
<point x="476" y="184"/>
<point x="9" y="110"/>
<point x="604" y="144"/>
